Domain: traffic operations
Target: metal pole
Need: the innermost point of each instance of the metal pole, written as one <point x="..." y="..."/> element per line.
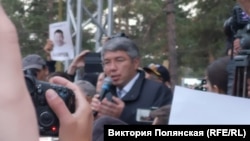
<point x="77" y="24"/>
<point x="79" y="31"/>
<point x="60" y="9"/>
<point x="79" y="27"/>
<point x="99" y="20"/>
<point x="59" y="65"/>
<point x="66" y="63"/>
<point x="93" y="19"/>
<point x="110" y="17"/>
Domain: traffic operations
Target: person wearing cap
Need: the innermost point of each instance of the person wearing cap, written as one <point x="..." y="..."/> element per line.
<point x="158" y="73"/>
<point x="35" y="65"/>
<point x="18" y="117"/>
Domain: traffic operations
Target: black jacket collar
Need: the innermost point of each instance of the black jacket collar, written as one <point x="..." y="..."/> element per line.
<point x="135" y="91"/>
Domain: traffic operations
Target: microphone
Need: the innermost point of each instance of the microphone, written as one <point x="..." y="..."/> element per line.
<point x="105" y="89"/>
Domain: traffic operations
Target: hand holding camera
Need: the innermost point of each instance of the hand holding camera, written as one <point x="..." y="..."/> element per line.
<point x="47" y="121"/>
<point x="75" y="126"/>
<point x="61" y="108"/>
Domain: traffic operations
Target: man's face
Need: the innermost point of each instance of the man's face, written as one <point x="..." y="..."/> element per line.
<point x="245" y="4"/>
<point x="42" y="74"/>
<point x="58" y="38"/>
<point x="120" y="67"/>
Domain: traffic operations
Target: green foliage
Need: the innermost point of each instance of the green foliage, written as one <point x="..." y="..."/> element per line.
<point x="31" y="20"/>
<point x="200" y="39"/>
<point x="205" y="39"/>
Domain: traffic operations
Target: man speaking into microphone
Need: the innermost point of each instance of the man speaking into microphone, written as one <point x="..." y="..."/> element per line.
<point x="131" y="91"/>
<point x="105" y="92"/>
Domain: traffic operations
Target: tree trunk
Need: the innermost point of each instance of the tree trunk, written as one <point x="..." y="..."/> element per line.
<point x="50" y="7"/>
<point x="171" y="38"/>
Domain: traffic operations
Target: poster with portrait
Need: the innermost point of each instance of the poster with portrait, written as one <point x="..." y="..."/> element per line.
<point x="59" y="34"/>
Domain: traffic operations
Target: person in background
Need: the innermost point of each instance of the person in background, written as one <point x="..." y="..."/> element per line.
<point x="100" y="82"/>
<point x="61" y="74"/>
<point x="158" y="73"/>
<point x="245" y="4"/>
<point x="18" y="118"/>
<point x="59" y="38"/>
<point x="217" y="75"/>
<point x="35" y="65"/>
<point x="47" y="49"/>
<point x="77" y="63"/>
<point x="161" y="115"/>
<point x="90" y="77"/>
<point x="87" y="88"/>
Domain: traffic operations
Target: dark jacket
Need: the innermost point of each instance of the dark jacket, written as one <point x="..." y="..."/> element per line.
<point x="144" y="94"/>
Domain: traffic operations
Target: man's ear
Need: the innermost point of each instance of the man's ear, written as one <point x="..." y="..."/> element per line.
<point x="216" y="89"/>
<point x="136" y="61"/>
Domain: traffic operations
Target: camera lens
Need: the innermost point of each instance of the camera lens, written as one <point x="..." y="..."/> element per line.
<point x="46" y="119"/>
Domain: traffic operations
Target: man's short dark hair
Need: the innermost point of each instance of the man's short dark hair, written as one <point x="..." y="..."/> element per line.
<point x="59" y="31"/>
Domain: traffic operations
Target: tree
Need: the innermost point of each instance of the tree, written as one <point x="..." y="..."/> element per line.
<point x="203" y="37"/>
<point x="171" y="38"/>
<point x="199" y="38"/>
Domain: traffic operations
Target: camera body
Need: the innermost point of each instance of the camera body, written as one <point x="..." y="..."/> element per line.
<point x="237" y="21"/>
<point x="201" y="86"/>
<point x="47" y="120"/>
<point x="238" y="26"/>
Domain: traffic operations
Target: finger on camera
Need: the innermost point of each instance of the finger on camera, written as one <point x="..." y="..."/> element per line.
<point x="63" y="82"/>
<point x="80" y="100"/>
<point x="57" y="105"/>
<point x="66" y="83"/>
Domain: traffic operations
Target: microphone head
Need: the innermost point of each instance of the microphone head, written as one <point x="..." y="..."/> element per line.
<point x="106" y="83"/>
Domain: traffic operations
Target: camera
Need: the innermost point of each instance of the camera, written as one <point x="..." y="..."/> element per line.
<point x="47" y="120"/>
<point x="242" y="63"/>
<point x="238" y="26"/>
<point x="237" y="21"/>
<point x="202" y="85"/>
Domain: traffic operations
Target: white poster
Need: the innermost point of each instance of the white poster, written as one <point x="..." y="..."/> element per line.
<point x="63" y="48"/>
<point x="194" y="107"/>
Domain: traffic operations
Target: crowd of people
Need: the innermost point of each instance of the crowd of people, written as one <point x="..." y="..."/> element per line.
<point x="133" y="88"/>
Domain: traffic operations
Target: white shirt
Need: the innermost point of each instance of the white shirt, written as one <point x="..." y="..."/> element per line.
<point x="121" y="93"/>
<point x="62" y="53"/>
